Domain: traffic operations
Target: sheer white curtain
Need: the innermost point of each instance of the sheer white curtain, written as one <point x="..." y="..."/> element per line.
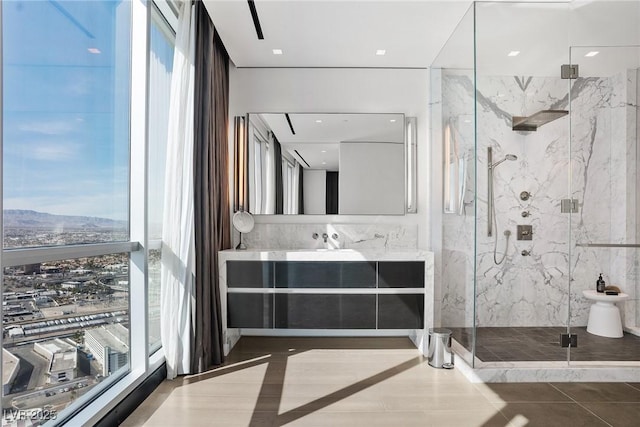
<point x="295" y="188"/>
<point x="178" y="247"/>
<point x="270" y="184"/>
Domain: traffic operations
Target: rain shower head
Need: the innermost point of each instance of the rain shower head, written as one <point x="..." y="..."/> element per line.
<point x="507" y="157"/>
<point x="533" y="122"/>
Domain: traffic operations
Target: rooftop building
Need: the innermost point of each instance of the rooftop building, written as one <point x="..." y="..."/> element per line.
<point x="10" y="368"/>
<point x="109" y="345"/>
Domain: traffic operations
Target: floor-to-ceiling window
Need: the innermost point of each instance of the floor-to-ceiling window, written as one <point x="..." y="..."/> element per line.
<point x="80" y="297"/>
<point x="161" y="45"/>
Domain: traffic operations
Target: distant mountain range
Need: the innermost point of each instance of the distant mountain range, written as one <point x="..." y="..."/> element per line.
<point x="18" y="218"/>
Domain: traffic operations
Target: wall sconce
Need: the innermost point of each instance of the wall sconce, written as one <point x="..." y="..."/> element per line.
<point x="241" y="155"/>
<point x="412" y="163"/>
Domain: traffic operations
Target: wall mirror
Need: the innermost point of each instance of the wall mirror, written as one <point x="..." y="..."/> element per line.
<point x="324" y="164"/>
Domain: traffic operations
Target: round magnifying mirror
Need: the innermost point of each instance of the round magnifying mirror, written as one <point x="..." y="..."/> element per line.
<point x="243" y="222"/>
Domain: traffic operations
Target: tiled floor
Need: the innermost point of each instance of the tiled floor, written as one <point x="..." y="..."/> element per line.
<point x="543" y="344"/>
<point x="370" y="382"/>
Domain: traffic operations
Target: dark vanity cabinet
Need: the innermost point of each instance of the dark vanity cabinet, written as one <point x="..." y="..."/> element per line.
<point x="326" y="294"/>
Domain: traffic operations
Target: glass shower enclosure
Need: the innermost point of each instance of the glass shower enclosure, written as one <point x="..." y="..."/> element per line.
<point x="536" y="119"/>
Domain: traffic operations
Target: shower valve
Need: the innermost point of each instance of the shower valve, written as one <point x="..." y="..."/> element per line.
<point x="525" y="195"/>
<point x="525" y="214"/>
<point x="524" y="232"/>
<point x="525" y="252"/>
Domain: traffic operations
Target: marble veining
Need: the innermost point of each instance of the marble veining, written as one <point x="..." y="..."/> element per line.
<point x="600" y="152"/>
<point x="350" y="236"/>
<point x="505" y="372"/>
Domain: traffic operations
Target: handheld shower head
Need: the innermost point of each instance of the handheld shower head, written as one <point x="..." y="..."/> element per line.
<point x="507" y="157"/>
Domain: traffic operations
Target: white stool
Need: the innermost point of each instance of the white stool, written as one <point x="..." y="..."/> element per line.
<point x="604" y="317"/>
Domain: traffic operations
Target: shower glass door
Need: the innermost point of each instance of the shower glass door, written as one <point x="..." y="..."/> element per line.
<point x="604" y="218"/>
<point x="522" y="272"/>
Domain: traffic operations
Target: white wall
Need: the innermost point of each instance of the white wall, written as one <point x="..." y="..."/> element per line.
<point x="371" y="178"/>
<point x="315" y="191"/>
<point x="345" y="90"/>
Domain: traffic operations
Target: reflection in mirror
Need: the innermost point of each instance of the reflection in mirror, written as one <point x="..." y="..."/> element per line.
<point x="301" y="163"/>
<point x="411" y="134"/>
<point x="454" y="171"/>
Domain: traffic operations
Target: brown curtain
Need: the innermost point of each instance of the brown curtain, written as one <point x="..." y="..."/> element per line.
<point x="277" y="153"/>
<point x="211" y="187"/>
<point x="301" y="190"/>
<point x="332" y="193"/>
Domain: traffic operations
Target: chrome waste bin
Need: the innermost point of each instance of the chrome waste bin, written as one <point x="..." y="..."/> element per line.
<point x="440" y="354"/>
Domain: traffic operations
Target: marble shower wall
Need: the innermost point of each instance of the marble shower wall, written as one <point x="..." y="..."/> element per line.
<point x="605" y="180"/>
<point x="457" y="292"/>
<point x="534" y="290"/>
<point x="350" y="236"/>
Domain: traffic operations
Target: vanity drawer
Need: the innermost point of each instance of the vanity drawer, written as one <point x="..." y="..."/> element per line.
<point x="314" y="274"/>
<point x="250" y="310"/>
<point x="401" y="274"/>
<point x="405" y="311"/>
<point x="249" y="274"/>
<point x="325" y="311"/>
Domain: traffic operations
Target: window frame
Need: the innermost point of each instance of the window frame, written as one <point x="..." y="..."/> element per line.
<point x="94" y="405"/>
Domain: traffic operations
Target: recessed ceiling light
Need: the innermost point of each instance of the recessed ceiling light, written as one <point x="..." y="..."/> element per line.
<point x="324" y="163"/>
<point x="592" y="53"/>
<point x="277" y="51"/>
<point x="323" y="151"/>
<point x="392" y="120"/>
<point x="318" y="121"/>
<point x="94" y="50"/>
<point x="381" y="52"/>
<point x="514" y="53"/>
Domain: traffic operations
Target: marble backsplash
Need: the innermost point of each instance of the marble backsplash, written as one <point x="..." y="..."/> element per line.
<point x="349" y="236"/>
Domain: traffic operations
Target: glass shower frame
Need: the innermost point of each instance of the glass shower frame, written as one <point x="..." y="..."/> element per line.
<point x="458" y="122"/>
<point x="605" y="226"/>
<point x="522" y="284"/>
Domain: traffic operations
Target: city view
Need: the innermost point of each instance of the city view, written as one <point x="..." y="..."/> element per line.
<point x="65" y="323"/>
<point x="67" y="159"/>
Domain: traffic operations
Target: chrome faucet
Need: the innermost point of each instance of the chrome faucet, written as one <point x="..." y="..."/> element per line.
<point x="325" y="236"/>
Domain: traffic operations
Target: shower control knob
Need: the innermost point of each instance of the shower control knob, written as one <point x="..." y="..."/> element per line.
<point x="525" y="214"/>
<point x="525" y="252"/>
<point x="525" y="195"/>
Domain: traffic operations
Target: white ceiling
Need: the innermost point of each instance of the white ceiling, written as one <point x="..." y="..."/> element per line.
<point x="331" y="33"/>
<point x="347" y="33"/>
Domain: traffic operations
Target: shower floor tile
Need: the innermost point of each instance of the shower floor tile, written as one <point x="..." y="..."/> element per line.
<point x="542" y="344"/>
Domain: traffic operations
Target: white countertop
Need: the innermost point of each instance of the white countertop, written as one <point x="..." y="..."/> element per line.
<point x="325" y="255"/>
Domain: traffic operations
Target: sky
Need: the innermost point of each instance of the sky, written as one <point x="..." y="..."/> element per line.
<point x="65" y="107"/>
